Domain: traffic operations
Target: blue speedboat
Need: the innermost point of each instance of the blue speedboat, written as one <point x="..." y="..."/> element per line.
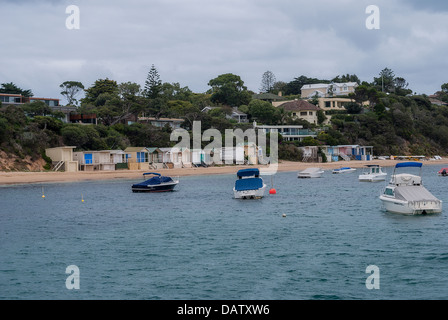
<point x="157" y="183"/>
<point x="249" y="184"/>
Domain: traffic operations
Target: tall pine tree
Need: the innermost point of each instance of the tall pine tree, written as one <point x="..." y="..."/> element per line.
<point x="153" y="84"/>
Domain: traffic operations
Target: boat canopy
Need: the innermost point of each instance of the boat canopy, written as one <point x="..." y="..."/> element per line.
<point x="248" y="184"/>
<point x="413" y="193"/>
<point x="409" y="164"/>
<point x="248" y="173"/>
<point x="155" y="180"/>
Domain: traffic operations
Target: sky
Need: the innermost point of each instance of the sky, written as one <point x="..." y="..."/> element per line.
<point x="193" y="41"/>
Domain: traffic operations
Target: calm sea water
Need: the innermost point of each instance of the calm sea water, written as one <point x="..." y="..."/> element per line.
<point x="200" y="243"/>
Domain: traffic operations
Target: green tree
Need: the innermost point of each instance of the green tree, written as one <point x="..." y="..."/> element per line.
<point x="346" y="78"/>
<point x="13" y="89"/>
<point x="229" y="89"/>
<point x="263" y="112"/>
<point x="295" y="87"/>
<point x="385" y="81"/>
<point x="37" y="108"/>
<point x="173" y="91"/>
<point x="101" y="87"/>
<point x="70" y="89"/>
<point x="153" y="84"/>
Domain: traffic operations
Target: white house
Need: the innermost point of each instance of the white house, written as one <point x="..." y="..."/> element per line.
<point x="326" y="90"/>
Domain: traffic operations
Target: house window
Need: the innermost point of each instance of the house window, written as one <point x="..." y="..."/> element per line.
<point x="310" y="113"/>
<point x="327" y="104"/>
<point x="303" y="113"/>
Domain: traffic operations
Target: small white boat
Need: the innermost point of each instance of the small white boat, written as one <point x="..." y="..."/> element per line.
<point x="344" y="170"/>
<point x="406" y="194"/>
<point x="372" y="173"/>
<point x="310" y="173"/>
<point x="249" y="185"/>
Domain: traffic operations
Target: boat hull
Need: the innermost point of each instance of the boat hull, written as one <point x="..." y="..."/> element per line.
<point x="372" y="178"/>
<point x="249" y="194"/>
<point x="343" y="171"/>
<point x="411" y="207"/>
<point x="154" y="188"/>
<point x="308" y="176"/>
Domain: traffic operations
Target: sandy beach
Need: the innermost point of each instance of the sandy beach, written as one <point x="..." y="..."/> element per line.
<point x="10" y="178"/>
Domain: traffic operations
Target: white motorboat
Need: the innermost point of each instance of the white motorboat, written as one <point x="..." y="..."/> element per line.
<point x="406" y="194"/>
<point x="310" y="173"/>
<point x="372" y="173"/>
<point x="343" y="170"/>
<point x="249" y="185"/>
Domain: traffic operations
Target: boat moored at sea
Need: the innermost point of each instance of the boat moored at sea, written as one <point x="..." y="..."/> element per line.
<point x="344" y="170"/>
<point x="372" y="173"/>
<point x="443" y="172"/>
<point x="310" y="173"/>
<point x="157" y="183"/>
<point x="249" y="184"/>
<point x="406" y="194"/>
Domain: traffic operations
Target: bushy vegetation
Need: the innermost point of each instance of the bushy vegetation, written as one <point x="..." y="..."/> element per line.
<point x="395" y="122"/>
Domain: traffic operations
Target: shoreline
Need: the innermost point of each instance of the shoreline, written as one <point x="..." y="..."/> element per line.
<point x="18" y="178"/>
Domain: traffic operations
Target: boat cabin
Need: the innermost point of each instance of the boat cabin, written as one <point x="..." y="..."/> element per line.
<point x="248" y="179"/>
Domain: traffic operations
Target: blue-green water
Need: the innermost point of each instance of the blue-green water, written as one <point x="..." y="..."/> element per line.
<point x="200" y="243"/>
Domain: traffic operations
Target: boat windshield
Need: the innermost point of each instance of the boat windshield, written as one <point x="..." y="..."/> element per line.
<point x="389" y="192"/>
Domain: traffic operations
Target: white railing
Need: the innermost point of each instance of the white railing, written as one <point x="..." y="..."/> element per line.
<point x="58" y="165"/>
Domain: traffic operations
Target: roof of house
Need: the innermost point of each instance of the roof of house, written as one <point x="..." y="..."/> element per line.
<point x="135" y="149"/>
<point x="238" y="112"/>
<point x="298" y="105"/>
<point x="152" y="150"/>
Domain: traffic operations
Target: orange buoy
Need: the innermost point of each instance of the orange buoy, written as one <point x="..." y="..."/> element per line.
<point x="272" y="191"/>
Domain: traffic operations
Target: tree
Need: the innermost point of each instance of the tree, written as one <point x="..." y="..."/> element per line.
<point x="153" y="84"/>
<point x="173" y="91"/>
<point x="101" y="87"/>
<point x="37" y="108"/>
<point x="295" y="86"/>
<point x="267" y="81"/>
<point x="401" y="87"/>
<point x="70" y="90"/>
<point x="443" y="94"/>
<point x="385" y="81"/>
<point x="13" y="89"/>
<point x="346" y="78"/>
<point x="263" y="112"/>
<point x="229" y="89"/>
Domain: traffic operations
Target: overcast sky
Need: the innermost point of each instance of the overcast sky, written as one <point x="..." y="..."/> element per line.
<point x="194" y="41"/>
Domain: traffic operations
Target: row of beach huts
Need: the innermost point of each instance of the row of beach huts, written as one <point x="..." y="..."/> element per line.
<point x="145" y="158"/>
